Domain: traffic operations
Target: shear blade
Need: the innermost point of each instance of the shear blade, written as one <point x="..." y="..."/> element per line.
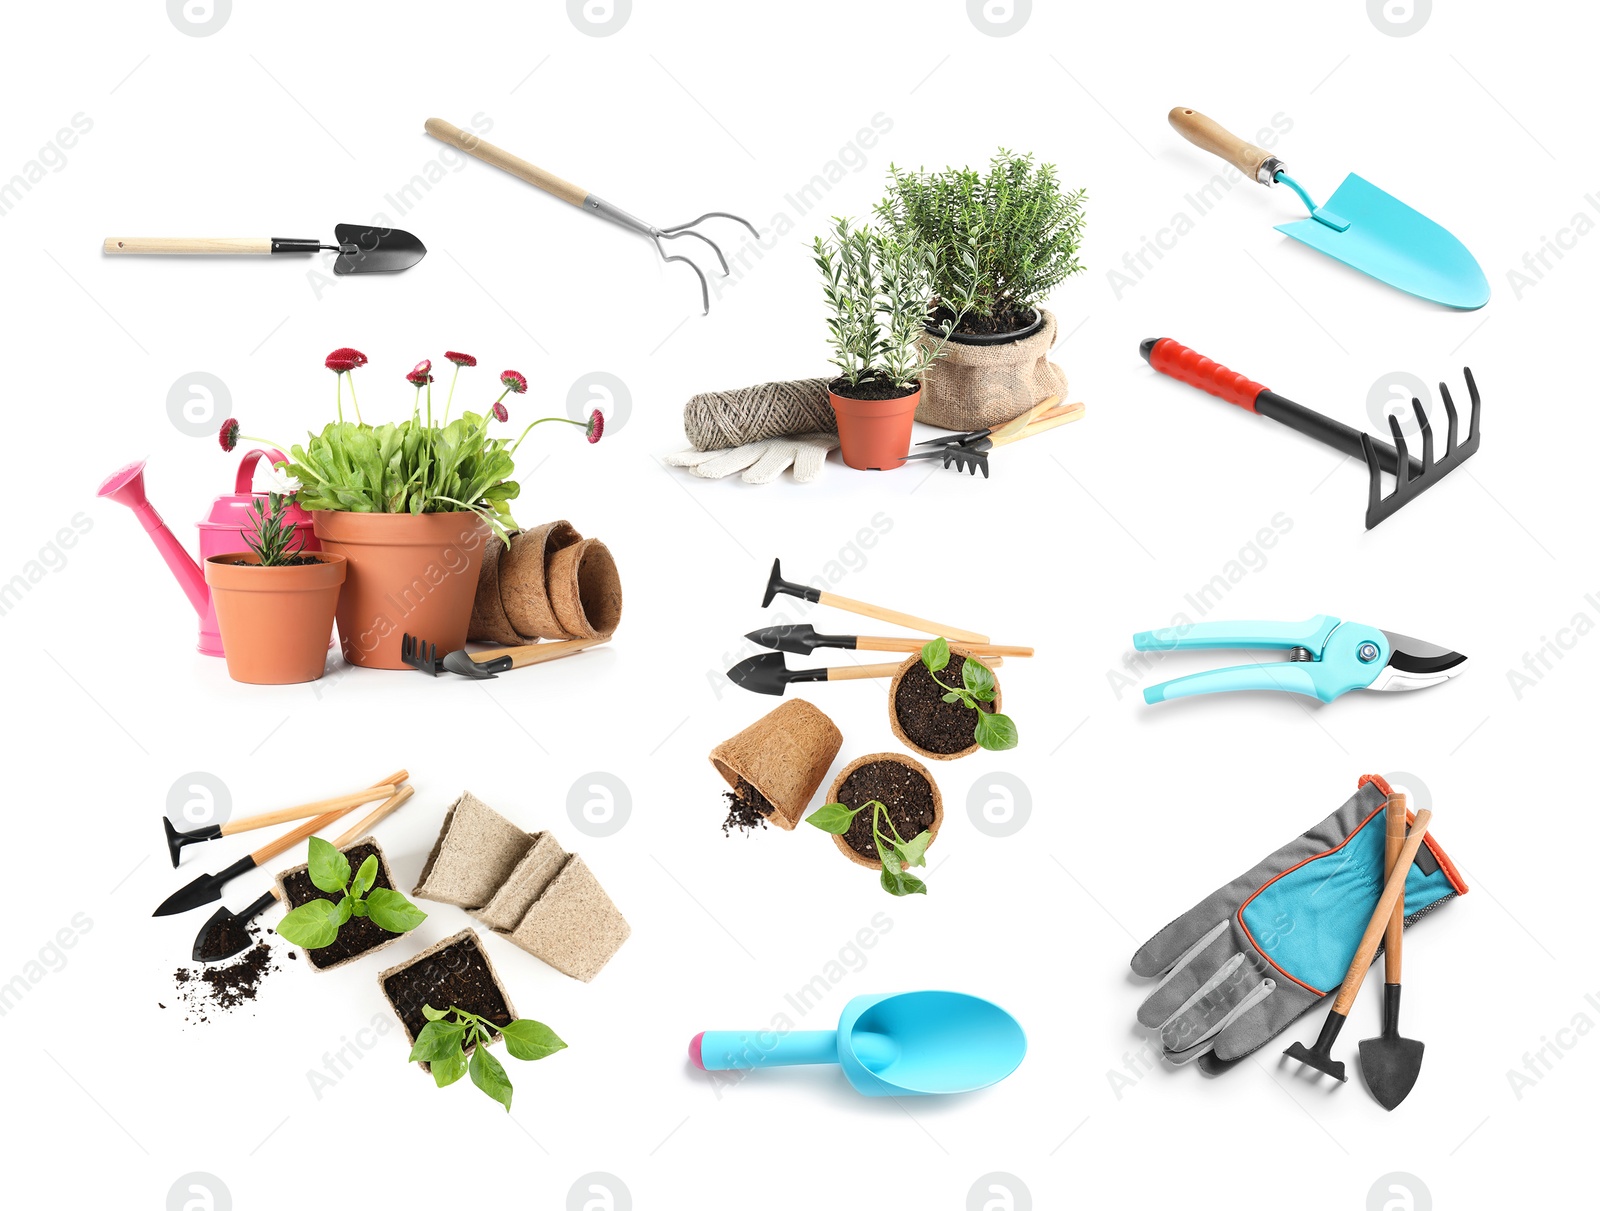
<point x="1415" y="664"/>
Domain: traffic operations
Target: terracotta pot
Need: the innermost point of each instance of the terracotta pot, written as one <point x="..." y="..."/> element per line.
<point x="275" y="622"/>
<point x="409" y="574"/>
<point x="914" y="661"/>
<point x="874" y="434"/>
<point x="898" y="759"/>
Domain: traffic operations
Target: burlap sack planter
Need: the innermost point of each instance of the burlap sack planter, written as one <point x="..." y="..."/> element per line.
<point x="954" y="713"/>
<point x="516" y="895"/>
<point x="915" y="772"/>
<point x="476" y="852"/>
<point x="523" y="572"/>
<point x="784" y="755"/>
<point x="573" y="925"/>
<point x="980" y="383"/>
<point x="585" y="590"/>
<point x="358" y="937"/>
<point x="456" y="971"/>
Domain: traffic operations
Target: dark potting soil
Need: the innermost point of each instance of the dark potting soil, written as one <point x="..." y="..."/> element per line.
<point x="924" y="715"/>
<point x="228" y="935"/>
<point x="358" y="934"/>
<point x="748" y="809"/>
<point x="988" y="325"/>
<point x="901" y="789"/>
<point x="458" y="975"/>
<point x="211" y="988"/>
<point x="874" y="388"/>
<point x="294" y="561"/>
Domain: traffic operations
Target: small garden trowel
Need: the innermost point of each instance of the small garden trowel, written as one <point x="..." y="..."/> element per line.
<point x="360" y="249"/>
<point x="1360" y="225"/>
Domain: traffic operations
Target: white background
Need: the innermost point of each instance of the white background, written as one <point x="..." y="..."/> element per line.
<point x="292" y="117"/>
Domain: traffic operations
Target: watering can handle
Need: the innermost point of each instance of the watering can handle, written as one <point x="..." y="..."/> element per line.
<point x="244" y="478"/>
<point x="1257" y="163"/>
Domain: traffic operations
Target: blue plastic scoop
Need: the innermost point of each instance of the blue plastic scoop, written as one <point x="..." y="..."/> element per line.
<point x="1360" y="224"/>
<point x="889" y="1045"/>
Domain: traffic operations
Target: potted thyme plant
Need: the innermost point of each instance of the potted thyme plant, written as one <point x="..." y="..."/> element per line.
<point x="275" y="602"/>
<point x="878" y="283"/>
<point x="410" y="506"/>
<point x="1004" y="240"/>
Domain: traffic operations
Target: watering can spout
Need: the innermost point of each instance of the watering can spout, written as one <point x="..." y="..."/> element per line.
<point x="126" y="487"/>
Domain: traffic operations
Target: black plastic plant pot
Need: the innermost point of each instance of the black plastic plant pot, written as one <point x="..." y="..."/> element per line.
<point x="994" y="338"/>
<point x="455" y="973"/>
<point x="358" y="937"/>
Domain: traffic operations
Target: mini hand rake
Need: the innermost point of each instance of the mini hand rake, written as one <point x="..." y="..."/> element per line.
<point x="584" y="200"/>
<point x="1412" y="478"/>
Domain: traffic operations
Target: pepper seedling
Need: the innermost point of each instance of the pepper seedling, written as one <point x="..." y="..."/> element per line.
<point x="993" y="730"/>
<point x="442" y="1044"/>
<point x="316" y="923"/>
<point x="894" y="851"/>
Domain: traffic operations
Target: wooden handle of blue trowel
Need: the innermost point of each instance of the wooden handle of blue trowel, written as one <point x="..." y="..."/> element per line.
<point x="1257" y="163"/>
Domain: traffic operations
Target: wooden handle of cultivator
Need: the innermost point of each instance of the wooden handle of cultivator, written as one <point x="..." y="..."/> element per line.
<point x="876" y="643"/>
<point x="1393" y="888"/>
<point x="909" y="621"/>
<point x="504" y="160"/>
<point x="181" y="246"/>
<point x="271" y="850"/>
<point x="264" y="819"/>
<point x="1394" y="837"/>
<point x="373" y="818"/>
<point x="1053" y="419"/>
<point x="538" y="653"/>
<point x="1208" y="136"/>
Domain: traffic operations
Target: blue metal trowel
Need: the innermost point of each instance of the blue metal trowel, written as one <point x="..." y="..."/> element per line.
<point x="1360" y="224"/>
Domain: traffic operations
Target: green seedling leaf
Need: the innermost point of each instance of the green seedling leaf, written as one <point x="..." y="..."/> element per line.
<point x="313" y="925"/>
<point x="833" y="818"/>
<point x="437" y="1040"/>
<point x="358" y="908"/>
<point x="434" y="1015"/>
<point x="488" y="1075"/>
<point x="952" y="696"/>
<point x="530" y="1040"/>
<point x="995" y="732"/>
<point x="389" y="910"/>
<point x="979" y="680"/>
<point x="329" y="869"/>
<point x="935" y="655"/>
<point x="897" y="883"/>
<point x="365" y="877"/>
<point x="345" y="908"/>
<point x="888" y="855"/>
<point x="448" y="1068"/>
<point x="912" y="852"/>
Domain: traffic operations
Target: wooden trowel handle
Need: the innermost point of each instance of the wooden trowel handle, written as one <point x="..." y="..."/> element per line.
<point x="861" y="672"/>
<point x="317" y="823"/>
<point x="190" y="246"/>
<point x="538" y="653"/>
<point x="371" y="820"/>
<point x="1393" y="888"/>
<point x="1393" y="838"/>
<point x="1257" y="162"/>
<point x="502" y="159"/>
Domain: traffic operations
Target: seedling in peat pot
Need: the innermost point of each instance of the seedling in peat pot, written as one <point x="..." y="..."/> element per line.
<point x="993" y="730"/>
<point x="444" y="1041"/>
<point x="316" y="923"/>
<point x="894" y="851"/>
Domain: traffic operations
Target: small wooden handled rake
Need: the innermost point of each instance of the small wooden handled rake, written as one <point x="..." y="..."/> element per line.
<point x="969" y="452"/>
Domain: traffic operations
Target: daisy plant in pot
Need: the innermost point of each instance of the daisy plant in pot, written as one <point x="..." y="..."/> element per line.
<point x="410" y="504"/>
<point x="275" y="602"/>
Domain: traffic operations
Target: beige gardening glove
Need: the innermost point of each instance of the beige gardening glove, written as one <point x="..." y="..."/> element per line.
<point x="762" y="462"/>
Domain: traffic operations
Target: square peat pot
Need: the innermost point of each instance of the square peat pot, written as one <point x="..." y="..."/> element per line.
<point x="455" y="972"/>
<point x="525" y="884"/>
<point x="358" y="937"/>
<point x="475" y="854"/>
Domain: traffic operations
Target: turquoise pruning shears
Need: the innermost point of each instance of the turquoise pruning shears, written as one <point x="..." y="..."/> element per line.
<point x="1327" y="658"/>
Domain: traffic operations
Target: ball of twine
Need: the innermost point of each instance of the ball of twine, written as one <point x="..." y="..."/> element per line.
<point x="720" y="420"/>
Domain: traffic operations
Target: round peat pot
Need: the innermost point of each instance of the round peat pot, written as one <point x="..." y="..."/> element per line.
<point x="994" y="338"/>
<point x="902" y="784"/>
<point x="275" y="622"/>
<point x="938" y="724"/>
<point x="874" y="434"/>
<point x="409" y="574"/>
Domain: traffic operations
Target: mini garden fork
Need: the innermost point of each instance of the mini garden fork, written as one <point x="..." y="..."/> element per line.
<point x="584" y="200"/>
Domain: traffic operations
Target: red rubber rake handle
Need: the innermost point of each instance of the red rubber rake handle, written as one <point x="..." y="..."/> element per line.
<point x="1184" y="364"/>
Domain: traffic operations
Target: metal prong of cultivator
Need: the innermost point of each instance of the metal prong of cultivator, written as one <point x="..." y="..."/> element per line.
<point x="420" y="654"/>
<point x="1409" y="484"/>
<point x="1402" y="455"/>
<point x="1427" y="435"/>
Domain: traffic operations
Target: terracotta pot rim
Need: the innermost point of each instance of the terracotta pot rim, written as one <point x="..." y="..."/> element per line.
<point x="387" y="528"/>
<point x="899" y="759"/>
<point x="223" y="572"/>
<point x="906" y="666"/>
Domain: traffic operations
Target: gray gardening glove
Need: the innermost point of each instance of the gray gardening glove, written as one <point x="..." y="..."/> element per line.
<point x="762" y="462"/>
<point x="1239" y="967"/>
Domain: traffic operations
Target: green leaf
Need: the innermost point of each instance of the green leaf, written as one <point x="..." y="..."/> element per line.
<point x="313" y="925"/>
<point x="979" y="680"/>
<point x="365" y="877"/>
<point x="358" y="908"/>
<point x="912" y="852"/>
<point x="530" y="1040"/>
<point x="901" y="884"/>
<point x="995" y="732"/>
<point x="329" y="869"/>
<point x="888" y="855"/>
<point x="488" y="1075"/>
<point x="388" y="909"/>
<point x="952" y="696"/>
<point x="833" y="818"/>
<point x="437" y="1039"/>
<point x="345" y="909"/>
<point x="434" y="1015"/>
<point x="935" y="654"/>
<point x="448" y="1068"/>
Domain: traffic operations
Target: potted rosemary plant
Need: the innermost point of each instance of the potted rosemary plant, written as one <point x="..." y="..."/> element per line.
<point x="410" y="506"/>
<point x="1004" y="239"/>
<point x="878" y="283"/>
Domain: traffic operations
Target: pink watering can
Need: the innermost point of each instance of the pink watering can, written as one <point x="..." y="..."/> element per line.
<point x="222" y="532"/>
